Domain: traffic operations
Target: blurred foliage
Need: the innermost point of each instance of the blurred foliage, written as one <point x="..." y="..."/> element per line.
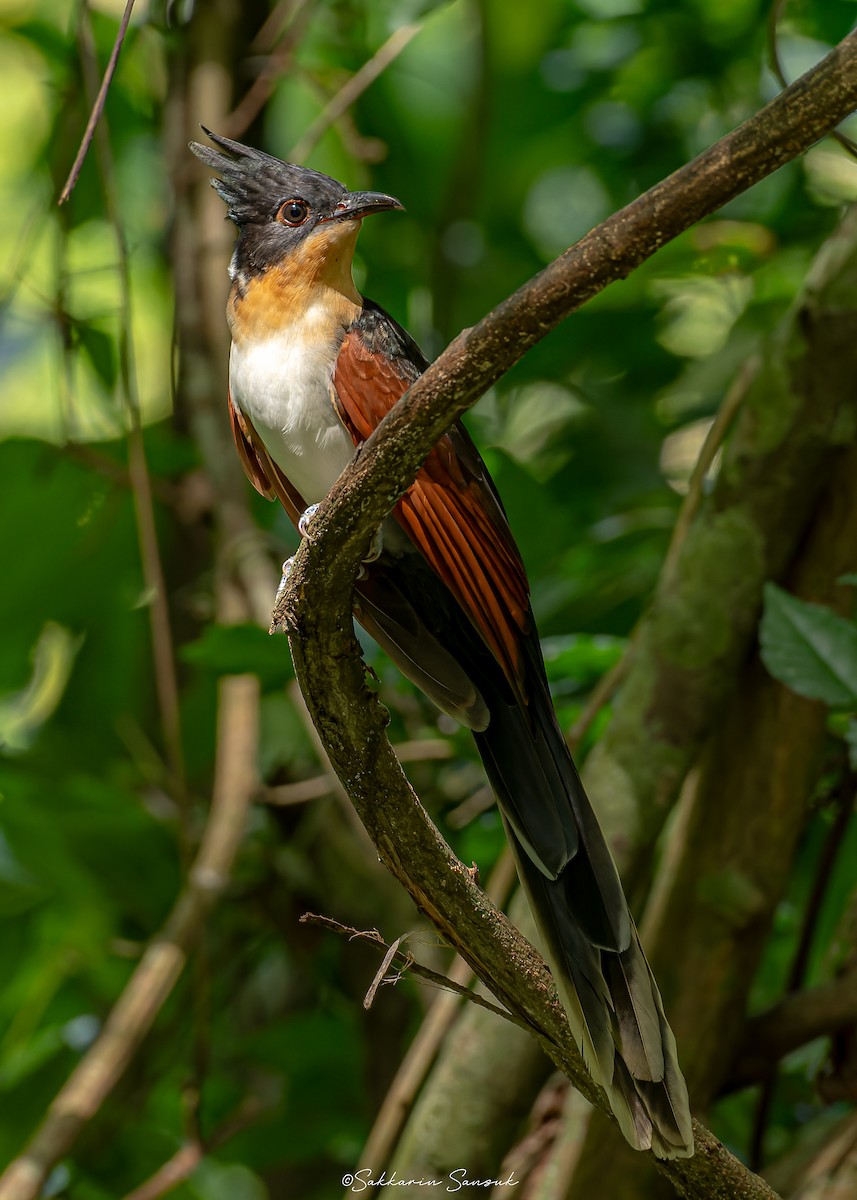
<point x="508" y="130"/>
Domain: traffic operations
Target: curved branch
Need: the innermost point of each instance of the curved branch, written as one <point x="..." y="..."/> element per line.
<point x="386" y="465"/>
<point x="315" y="605"/>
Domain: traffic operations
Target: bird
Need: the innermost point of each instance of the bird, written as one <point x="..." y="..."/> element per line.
<point x="314" y="366"/>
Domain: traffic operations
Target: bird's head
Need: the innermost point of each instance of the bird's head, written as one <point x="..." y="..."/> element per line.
<point x="287" y="216"/>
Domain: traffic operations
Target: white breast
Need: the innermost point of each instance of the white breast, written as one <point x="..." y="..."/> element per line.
<point x="283" y="385"/>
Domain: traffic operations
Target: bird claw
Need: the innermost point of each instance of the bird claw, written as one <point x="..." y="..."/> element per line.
<point x="306" y="517"/>
<point x="284" y="579"/>
<point x="375" y="546"/>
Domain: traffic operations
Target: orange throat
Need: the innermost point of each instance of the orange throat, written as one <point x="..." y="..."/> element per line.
<point x="315" y="277"/>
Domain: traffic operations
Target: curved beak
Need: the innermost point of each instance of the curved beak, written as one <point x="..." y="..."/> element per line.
<point x="362" y="204"/>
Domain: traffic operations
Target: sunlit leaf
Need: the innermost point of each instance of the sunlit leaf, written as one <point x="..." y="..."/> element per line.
<point x="22" y="714"/>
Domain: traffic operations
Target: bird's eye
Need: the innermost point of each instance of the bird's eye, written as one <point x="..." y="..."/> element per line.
<point x="293" y="212"/>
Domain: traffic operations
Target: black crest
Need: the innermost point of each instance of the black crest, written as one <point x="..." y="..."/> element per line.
<point x="254" y="184"/>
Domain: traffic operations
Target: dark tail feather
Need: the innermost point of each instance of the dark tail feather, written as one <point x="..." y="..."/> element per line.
<point x="606" y="985"/>
<point x="617" y="1018"/>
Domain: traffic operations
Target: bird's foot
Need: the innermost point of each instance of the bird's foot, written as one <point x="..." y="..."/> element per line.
<point x="284" y="579"/>
<point x="375" y="546"/>
<point x="306" y="517"/>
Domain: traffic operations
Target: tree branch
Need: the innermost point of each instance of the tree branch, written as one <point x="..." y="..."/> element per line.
<point x="387" y="463"/>
<point x="350" y="721"/>
<point x="426" y="1045"/>
<point x="461" y="1113"/>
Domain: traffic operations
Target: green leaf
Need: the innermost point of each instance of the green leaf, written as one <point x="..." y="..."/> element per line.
<point x="23" y="713"/>
<point x="810" y="649"/>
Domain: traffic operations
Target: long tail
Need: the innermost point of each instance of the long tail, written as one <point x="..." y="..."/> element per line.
<point x="606" y="985"/>
<point x="564" y="863"/>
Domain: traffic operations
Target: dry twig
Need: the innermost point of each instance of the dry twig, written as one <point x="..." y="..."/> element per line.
<point x="98" y="105"/>
<point x="774" y="16"/>
<point x="304" y="790"/>
<point x="714" y="439"/>
<point x="350" y="91"/>
<point x="279" y="60"/>
<point x="408" y="962"/>
<point x="424" y="1048"/>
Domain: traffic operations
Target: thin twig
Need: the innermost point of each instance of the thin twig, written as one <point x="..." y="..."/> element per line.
<point x="471" y="807"/>
<point x="163" y="653"/>
<point x="392" y="952"/>
<point x="275" y="25"/>
<point x="424" y="1048"/>
<point x="276" y="65"/>
<point x="600" y="695"/>
<point x="26" y="241"/>
<point x="354" y="88"/>
<point x="188" y="1157"/>
<point x="304" y="790"/>
<point x="714" y="439"/>
<point x="822" y="877"/>
<point x="98" y="106"/>
<point x="406" y="960"/>
<point x="102" y="464"/>
<point x="164" y="959"/>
